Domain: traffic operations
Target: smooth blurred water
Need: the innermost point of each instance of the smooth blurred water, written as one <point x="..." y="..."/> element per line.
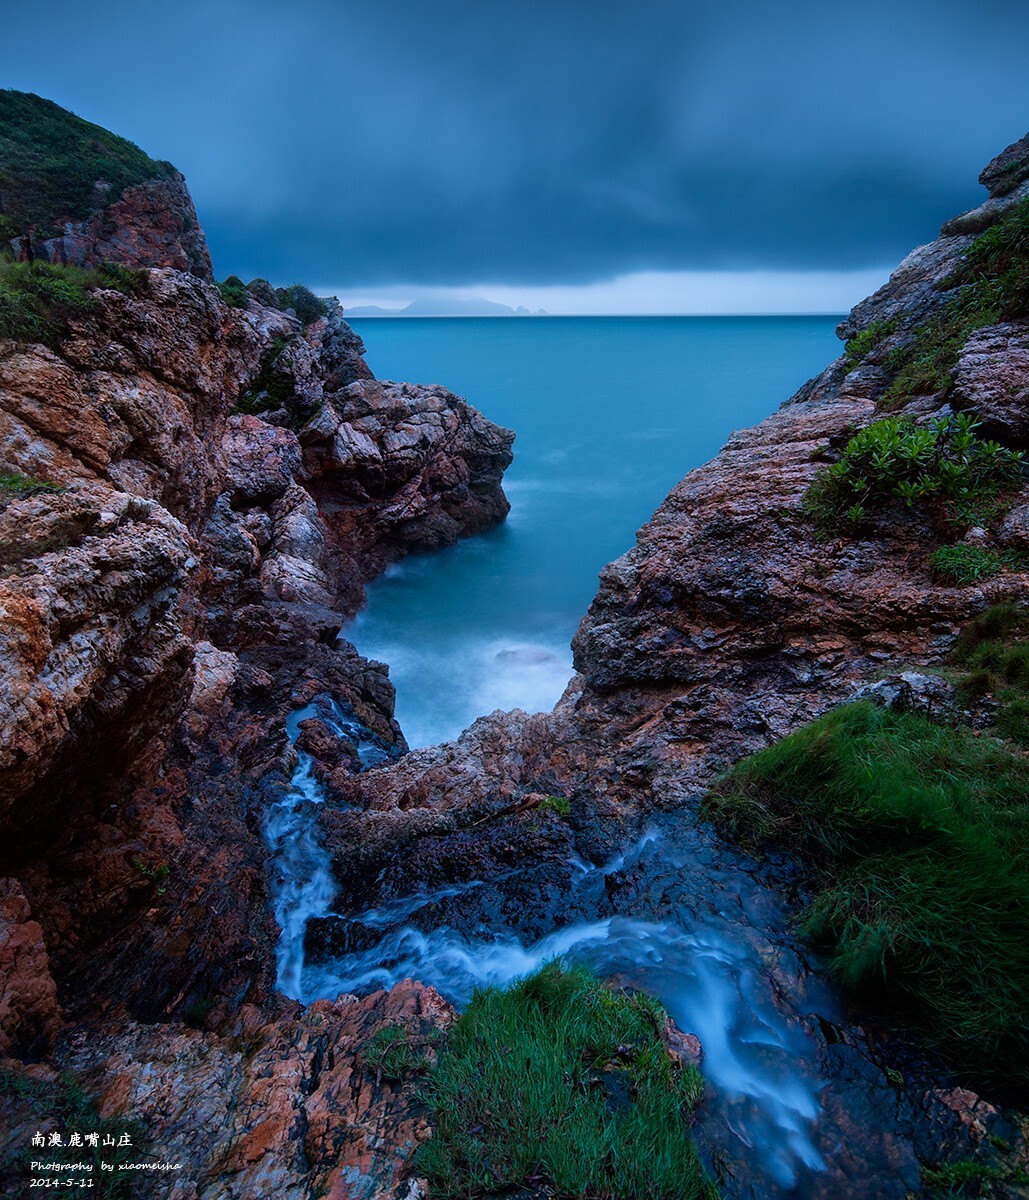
<point x="610" y="413"/>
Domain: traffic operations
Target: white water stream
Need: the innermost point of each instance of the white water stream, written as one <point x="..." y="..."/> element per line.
<point x="710" y="971"/>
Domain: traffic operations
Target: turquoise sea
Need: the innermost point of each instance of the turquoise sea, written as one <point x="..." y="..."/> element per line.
<point x="610" y="413"/>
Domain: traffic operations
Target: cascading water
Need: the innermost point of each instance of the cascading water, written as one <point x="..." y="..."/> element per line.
<point x="302" y="882"/>
<point x="708" y="966"/>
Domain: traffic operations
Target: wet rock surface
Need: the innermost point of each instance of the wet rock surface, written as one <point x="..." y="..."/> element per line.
<point x="731" y="621"/>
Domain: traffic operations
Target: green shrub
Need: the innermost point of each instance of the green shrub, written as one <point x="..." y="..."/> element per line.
<point x="916" y="837"/>
<point x="307" y="306"/>
<point x="564" y="1082"/>
<point x="964" y="564"/>
<point x="895" y="460"/>
<point x="234" y="291"/>
<point x="37" y="300"/>
<point x="863" y="343"/>
<point x="50" y="161"/>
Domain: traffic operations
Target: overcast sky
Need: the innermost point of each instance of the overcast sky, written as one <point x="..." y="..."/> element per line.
<point x="594" y="152"/>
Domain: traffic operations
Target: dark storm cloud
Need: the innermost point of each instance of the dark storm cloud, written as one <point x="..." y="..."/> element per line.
<point x="545" y="140"/>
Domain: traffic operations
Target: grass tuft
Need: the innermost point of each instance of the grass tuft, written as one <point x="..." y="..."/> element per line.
<point x="993" y="656"/>
<point x="38" y="299"/>
<point x="15" y="486"/>
<point x="559" y="805"/>
<point x="917" y="837"/>
<point x="393" y="1054"/>
<point x="964" y="564"/>
<point x="564" y="1083"/>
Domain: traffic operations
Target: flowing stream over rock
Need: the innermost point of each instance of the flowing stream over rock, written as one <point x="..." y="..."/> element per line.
<point x="675" y="913"/>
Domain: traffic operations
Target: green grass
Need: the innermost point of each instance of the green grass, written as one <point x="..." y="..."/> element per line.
<point x="862" y="344"/>
<point x="393" y="1054"/>
<point x="63" y="1105"/>
<point x="968" y="1178"/>
<point x="964" y="564"/>
<point x="562" y="1082"/>
<point x="50" y="160"/>
<point x="14" y="485"/>
<point x="993" y="658"/>
<point x="37" y="300"/>
<point x="917" y="840"/>
<point x="560" y="805"/>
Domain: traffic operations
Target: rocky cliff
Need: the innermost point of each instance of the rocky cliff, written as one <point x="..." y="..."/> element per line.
<point x="195" y="493"/>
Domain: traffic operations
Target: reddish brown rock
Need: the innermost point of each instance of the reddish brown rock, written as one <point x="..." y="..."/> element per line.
<point x="95" y="657"/>
<point x="30" y="1016"/>
<point x="152" y="224"/>
<point x="294" y="1109"/>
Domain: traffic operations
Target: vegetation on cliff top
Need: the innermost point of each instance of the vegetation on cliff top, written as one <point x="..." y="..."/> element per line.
<point x="296" y="298"/>
<point x="37" y="300"/>
<point x="917" y="839"/>
<point x="564" y="1083"/>
<point x="991" y="285"/>
<point x="51" y="160"/>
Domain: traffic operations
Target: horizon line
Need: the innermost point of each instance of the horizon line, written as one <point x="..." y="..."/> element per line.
<point x="513" y="316"/>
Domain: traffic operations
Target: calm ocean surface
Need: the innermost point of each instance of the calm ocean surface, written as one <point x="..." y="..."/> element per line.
<point x="610" y="413"/>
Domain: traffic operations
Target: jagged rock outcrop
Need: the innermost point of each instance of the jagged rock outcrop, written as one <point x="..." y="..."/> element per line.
<point x="295" y="1108"/>
<point x="170" y="589"/>
<point x="151" y="224"/>
<point x="437" y="460"/>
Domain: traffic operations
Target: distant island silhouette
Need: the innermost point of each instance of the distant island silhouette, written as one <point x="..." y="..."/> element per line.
<point x="429" y="307"/>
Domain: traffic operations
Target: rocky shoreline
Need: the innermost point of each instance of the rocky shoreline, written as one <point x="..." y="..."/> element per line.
<point x="205" y="487"/>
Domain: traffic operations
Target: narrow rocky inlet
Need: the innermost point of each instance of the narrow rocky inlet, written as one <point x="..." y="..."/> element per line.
<point x="224" y="875"/>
